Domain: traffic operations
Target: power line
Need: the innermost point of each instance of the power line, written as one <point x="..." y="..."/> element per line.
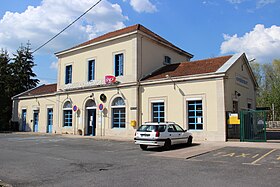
<point x="66" y="27"/>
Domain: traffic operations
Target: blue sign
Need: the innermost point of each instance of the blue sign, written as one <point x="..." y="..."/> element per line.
<point x="75" y="108"/>
<point x="100" y="106"/>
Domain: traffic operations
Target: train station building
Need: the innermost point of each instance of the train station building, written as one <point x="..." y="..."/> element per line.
<point x="111" y="84"/>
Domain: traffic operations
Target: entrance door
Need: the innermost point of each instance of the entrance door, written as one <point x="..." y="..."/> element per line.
<point x="35" y="121"/>
<point x="50" y="120"/>
<point x="23" y="120"/>
<point x="91" y="122"/>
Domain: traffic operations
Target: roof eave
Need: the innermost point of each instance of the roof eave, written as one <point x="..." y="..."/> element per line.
<point x="18" y="95"/>
<point x="94" y="43"/>
<point x="184" y="78"/>
<point x="36" y="96"/>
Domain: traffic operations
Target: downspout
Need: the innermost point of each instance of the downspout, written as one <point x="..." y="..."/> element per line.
<point x="139" y="93"/>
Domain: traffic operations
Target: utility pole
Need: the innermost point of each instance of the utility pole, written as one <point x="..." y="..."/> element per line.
<point x="273" y="113"/>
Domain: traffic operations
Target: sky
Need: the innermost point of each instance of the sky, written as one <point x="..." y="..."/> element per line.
<point x="204" y="28"/>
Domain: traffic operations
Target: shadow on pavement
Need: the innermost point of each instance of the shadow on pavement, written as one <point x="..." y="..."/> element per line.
<point x="173" y="147"/>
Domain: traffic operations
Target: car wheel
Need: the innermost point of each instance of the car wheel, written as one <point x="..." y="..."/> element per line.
<point x="143" y="147"/>
<point x="167" y="144"/>
<point x="189" y="143"/>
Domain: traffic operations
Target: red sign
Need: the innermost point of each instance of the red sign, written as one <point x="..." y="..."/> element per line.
<point x="109" y="79"/>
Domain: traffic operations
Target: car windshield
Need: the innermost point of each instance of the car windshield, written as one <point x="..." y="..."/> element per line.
<point x="151" y="128"/>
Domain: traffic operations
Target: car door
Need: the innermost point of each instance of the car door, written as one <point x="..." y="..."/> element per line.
<point x="181" y="134"/>
<point x="173" y="134"/>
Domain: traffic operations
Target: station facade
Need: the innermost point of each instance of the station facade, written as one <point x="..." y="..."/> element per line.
<point x="110" y="85"/>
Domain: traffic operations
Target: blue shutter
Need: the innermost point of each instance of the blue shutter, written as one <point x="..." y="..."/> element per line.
<point x="121" y="64"/>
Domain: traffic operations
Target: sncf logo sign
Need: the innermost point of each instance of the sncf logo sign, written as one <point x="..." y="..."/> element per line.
<point x="110" y="79"/>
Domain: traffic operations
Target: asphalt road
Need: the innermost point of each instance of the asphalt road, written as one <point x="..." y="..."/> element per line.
<point x="43" y="160"/>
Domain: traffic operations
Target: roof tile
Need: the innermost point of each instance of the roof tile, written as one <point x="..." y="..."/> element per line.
<point x="189" y="68"/>
<point x="137" y="27"/>
<point x="40" y="90"/>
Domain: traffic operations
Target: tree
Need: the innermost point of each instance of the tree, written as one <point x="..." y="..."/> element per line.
<point x="268" y="77"/>
<point x="16" y="76"/>
<point x="22" y="72"/>
<point x="4" y="96"/>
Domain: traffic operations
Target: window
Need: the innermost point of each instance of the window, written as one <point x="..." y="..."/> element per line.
<point x="178" y="128"/>
<point x="249" y="105"/>
<point x="91" y="70"/>
<point x="68" y="74"/>
<point x="235" y="106"/>
<point x="171" y="128"/>
<point x="195" y="115"/>
<point x="50" y="116"/>
<point x="119" y="64"/>
<point x="167" y="60"/>
<point x="158" y="112"/>
<point x="67" y="114"/>
<point x="118" y="113"/>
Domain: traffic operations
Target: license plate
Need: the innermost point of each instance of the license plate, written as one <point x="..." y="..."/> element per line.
<point x="145" y="135"/>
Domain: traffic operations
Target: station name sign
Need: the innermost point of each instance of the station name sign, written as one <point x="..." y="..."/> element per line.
<point x="108" y="80"/>
<point x="241" y="80"/>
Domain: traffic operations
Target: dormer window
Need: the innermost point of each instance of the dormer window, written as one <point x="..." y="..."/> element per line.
<point x="167" y="60"/>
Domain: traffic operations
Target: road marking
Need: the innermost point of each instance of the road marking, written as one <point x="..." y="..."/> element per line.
<point x="243" y="155"/>
<point x="255" y="156"/>
<point x="230" y="155"/>
<point x="262" y="157"/>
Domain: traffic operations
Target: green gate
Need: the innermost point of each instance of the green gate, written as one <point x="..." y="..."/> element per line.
<point x="253" y="126"/>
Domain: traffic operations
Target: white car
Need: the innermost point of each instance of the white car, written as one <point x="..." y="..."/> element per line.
<point x="161" y="134"/>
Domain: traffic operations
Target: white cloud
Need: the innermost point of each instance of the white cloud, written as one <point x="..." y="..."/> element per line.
<point x="262" y="3"/>
<point x="44" y="82"/>
<point x="38" y="24"/>
<point x="54" y="65"/>
<point x="260" y="43"/>
<point x="236" y="1"/>
<point x="259" y="3"/>
<point x="143" y="6"/>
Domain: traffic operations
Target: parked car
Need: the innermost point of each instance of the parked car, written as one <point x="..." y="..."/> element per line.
<point x="161" y="134"/>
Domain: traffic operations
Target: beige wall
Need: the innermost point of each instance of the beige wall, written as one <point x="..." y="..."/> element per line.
<point x="103" y="128"/>
<point x="104" y="61"/>
<point x="31" y="104"/>
<point x="248" y="92"/>
<point x="152" y="56"/>
<point x="176" y="97"/>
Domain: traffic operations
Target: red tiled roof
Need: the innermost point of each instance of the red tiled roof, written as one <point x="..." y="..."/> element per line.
<point x="40" y="90"/>
<point x="189" y="68"/>
<point x="137" y="27"/>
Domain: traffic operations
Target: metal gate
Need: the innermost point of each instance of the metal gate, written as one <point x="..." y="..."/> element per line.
<point x="253" y="126"/>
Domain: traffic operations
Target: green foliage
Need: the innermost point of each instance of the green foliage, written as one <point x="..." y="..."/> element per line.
<point x="268" y="77"/>
<point x="16" y="76"/>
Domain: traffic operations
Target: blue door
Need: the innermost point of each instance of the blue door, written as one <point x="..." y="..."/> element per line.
<point x="91" y="122"/>
<point x="23" y="120"/>
<point x="50" y="120"/>
<point x="35" y="121"/>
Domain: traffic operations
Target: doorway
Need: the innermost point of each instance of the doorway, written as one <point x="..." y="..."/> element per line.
<point x="90" y="118"/>
<point x="35" y="121"/>
<point x="23" y="120"/>
<point x="50" y="120"/>
<point x="91" y="122"/>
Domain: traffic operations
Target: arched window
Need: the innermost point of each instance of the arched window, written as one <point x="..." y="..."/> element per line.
<point x="67" y="114"/>
<point x="118" y="113"/>
<point x="90" y="104"/>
